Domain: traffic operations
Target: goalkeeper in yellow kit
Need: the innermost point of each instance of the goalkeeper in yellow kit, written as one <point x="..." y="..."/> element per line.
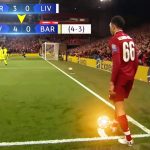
<point x="3" y="54"/>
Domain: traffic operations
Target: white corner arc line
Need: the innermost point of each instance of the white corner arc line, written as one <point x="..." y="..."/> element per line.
<point x="8" y="144"/>
<point x="133" y="121"/>
<point x="75" y="140"/>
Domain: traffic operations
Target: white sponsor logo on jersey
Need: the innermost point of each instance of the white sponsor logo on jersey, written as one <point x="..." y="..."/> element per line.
<point x="124" y="38"/>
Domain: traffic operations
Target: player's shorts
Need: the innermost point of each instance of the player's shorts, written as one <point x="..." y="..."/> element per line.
<point x="2" y="58"/>
<point x="122" y="90"/>
<point x="5" y="56"/>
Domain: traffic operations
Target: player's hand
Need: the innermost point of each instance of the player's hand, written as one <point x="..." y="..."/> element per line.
<point x="111" y="88"/>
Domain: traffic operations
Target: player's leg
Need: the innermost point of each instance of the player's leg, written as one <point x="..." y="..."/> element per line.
<point x="121" y="92"/>
<point x="5" y="62"/>
<point x="121" y="117"/>
<point x="119" y="95"/>
<point x="120" y="110"/>
<point x="114" y="124"/>
<point x="123" y="121"/>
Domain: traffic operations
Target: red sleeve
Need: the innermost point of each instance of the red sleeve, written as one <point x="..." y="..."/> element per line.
<point x="114" y="46"/>
<point x="116" y="66"/>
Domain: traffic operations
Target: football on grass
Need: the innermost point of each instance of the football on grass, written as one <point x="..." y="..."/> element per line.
<point x="70" y="69"/>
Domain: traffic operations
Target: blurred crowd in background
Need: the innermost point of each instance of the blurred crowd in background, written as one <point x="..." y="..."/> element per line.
<point x="83" y="45"/>
<point x="100" y="49"/>
<point x="17" y="44"/>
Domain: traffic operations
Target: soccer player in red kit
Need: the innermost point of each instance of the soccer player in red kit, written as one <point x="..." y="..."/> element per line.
<point x="125" y="64"/>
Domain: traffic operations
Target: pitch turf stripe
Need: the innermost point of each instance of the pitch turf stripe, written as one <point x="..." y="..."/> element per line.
<point x="95" y="139"/>
<point x="30" y="68"/>
<point x="133" y="121"/>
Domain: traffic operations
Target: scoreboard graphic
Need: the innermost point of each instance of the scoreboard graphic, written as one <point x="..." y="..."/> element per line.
<point x="45" y="29"/>
<point x="49" y="27"/>
<point x="29" y="8"/>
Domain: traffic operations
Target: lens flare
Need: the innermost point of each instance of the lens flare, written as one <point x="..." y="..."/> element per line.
<point x="103" y="122"/>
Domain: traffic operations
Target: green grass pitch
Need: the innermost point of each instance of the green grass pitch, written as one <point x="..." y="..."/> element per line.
<point x="38" y="102"/>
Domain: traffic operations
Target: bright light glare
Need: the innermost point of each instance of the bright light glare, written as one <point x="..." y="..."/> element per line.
<point x="103" y="122"/>
<point x="105" y="0"/>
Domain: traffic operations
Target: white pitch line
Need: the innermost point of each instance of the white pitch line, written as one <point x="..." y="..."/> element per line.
<point x="7" y="144"/>
<point x="133" y="121"/>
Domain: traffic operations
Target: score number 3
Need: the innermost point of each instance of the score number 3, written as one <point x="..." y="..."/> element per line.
<point x="27" y="8"/>
<point x="15" y="8"/>
<point x="128" y="51"/>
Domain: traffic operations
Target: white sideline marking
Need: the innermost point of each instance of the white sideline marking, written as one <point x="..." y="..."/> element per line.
<point x="4" y="144"/>
<point x="133" y="121"/>
<point x="8" y="144"/>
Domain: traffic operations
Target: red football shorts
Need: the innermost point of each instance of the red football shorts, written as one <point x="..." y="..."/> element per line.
<point x="122" y="90"/>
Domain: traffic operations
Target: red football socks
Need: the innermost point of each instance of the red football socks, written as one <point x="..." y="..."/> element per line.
<point x="124" y="125"/>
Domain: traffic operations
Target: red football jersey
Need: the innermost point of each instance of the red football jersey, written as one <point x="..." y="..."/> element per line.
<point x="124" y="56"/>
